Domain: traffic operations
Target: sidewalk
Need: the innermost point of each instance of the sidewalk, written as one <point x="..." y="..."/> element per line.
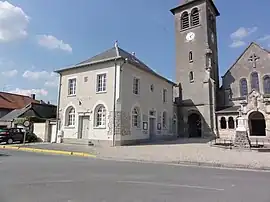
<point x="191" y="153"/>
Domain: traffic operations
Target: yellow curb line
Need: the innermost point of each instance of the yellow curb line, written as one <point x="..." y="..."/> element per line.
<point x="82" y="154"/>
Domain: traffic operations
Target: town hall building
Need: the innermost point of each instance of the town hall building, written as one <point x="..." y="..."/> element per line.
<point x="114" y="98"/>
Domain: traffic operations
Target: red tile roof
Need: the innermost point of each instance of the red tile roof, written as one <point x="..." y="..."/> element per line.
<point x="14" y="101"/>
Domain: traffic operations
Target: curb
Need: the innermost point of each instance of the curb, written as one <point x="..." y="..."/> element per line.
<point x="49" y="151"/>
<point x="195" y="164"/>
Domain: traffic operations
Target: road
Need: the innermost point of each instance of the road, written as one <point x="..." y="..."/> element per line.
<point x="30" y="177"/>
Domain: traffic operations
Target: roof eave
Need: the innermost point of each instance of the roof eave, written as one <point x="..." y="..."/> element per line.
<point x="86" y="64"/>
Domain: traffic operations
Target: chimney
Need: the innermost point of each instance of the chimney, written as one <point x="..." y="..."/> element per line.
<point x="48" y="102"/>
<point x="133" y="54"/>
<point x="33" y="96"/>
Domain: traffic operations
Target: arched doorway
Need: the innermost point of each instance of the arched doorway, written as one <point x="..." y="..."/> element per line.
<point x="194" y="125"/>
<point x="256" y="124"/>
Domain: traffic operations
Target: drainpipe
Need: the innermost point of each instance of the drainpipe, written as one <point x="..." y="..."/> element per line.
<point x="58" y="104"/>
<point x="114" y="96"/>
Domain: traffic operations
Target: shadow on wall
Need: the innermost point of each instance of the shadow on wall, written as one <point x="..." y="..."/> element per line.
<point x="227" y="90"/>
<point x="192" y="126"/>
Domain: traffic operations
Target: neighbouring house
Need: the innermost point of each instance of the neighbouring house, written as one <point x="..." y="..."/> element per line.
<point x="43" y="116"/>
<point x="10" y="102"/>
<point x="114" y="98"/>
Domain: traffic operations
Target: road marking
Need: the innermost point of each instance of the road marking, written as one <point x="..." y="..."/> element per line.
<point x="172" y="185"/>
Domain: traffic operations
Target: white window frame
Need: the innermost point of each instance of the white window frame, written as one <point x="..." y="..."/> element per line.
<point x="136" y="86"/>
<point x="136" y="118"/>
<point x="72" y="89"/>
<point x="101" y="82"/>
<point x="71" y="117"/>
<point x="100" y="116"/>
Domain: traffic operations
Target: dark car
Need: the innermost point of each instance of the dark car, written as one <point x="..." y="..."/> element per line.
<point x="10" y="135"/>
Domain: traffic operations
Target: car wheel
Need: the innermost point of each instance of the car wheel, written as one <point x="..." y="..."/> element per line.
<point x="10" y="141"/>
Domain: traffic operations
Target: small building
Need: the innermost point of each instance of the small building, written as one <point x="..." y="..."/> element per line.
<point x="113" y="98"/>
<point x="10" y="102"/>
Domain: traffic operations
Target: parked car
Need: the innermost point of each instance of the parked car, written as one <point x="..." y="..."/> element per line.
<point x="10" y="135"/>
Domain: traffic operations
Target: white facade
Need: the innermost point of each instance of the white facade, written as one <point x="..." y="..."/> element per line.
<point x="89" y="96"/>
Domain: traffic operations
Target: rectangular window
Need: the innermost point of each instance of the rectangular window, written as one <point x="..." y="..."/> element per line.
<point x="72" y="87"/>
<point x="136" y="86"/>
<point x="164" y="95"/>
<point x="101" y="83"/>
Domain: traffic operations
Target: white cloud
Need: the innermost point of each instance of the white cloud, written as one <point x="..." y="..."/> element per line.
<point x="236" y="44"/>
<point x="52" y="83"/>
<point x="11" y="73"/>
<point x="265" y="38"/>
<point x="13" y="22"/>
<point x="52" y="43"/>
<point x="50" y="78"/>
<point x="243" y="32"/>
<point x="38" y="92"/>
<point x="37" y="75"/>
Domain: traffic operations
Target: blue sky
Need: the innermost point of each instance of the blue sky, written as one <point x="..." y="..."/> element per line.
<point x="39" y="36"/>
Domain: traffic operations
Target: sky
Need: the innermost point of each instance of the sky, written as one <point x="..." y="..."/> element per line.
<point x="40" y="36"/>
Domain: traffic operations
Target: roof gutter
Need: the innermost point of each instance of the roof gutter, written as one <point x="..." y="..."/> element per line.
<point x="89" y="63"/>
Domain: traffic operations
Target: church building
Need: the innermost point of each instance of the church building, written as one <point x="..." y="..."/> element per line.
<point x="206" y="108"/>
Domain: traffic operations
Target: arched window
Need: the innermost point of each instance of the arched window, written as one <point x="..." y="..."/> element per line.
<point x="266" y="84"/>
<point x="190" y="56"/>
<point x="184" y="20"/>
<point x="136" y="122"/>
<point x="191" y="76"/>
<point x="100" y="116"/>
<point x="164" y="119"/>
<point x="231" y="123"/>
<point x="70" y="116"/>
<point x="195" y="17"/>
<point x="243" y="87"/>
<point x="223" y="123"/>
<point x="255" y="81"/>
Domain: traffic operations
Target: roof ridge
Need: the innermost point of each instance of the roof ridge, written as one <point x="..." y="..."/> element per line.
<point x="3" y="92"/>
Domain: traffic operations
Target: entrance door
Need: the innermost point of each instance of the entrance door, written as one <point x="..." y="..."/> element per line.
<point x="194" y="125"/>
<point x="152" y="128"/>
<point x="84" y="127"/>
<point x="257" y="124"/>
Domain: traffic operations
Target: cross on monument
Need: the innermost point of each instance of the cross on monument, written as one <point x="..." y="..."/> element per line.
<point x="253" y="58"/>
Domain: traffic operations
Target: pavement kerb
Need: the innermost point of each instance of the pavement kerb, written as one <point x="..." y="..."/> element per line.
<point x="49" y="151"/>
<point x="194" y="163"/>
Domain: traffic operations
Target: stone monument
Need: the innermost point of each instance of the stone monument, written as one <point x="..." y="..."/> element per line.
<point x="241" y="139"/>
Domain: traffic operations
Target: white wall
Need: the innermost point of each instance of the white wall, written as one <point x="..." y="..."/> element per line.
<point x="86" y="94"/>
<point x="146" y="100"/>
<point x="39" y="130"/>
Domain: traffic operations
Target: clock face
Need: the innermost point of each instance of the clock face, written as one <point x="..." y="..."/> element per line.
<point x="190" y="36"/>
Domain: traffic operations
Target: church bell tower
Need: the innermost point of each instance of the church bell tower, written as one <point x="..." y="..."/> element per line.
<point x="197" y="62"/>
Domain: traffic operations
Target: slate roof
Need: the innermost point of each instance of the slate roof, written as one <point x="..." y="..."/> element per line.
<point x="14" y="101"/>
<point x="45" y="111"/>
<point x="115" y="53"/>
<point x="233" y="109"/>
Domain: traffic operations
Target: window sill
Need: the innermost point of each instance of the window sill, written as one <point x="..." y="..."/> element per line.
<point x="191" y="61"/>
<point x="100" y="127"/>
<point x="101" y="92"/>
<point x="69" y="127"/>
<point x="136" y="94"/>
<point x="192" y="81"/>
<point x="72" y="95"/>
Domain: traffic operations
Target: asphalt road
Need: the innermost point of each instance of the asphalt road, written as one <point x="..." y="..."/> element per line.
<point x="29" y="177"/>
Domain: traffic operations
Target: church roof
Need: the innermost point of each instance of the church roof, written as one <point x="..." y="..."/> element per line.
<point x="112" y="54"/>
<point x="187" y="4"/>
<point x="233" y="109"/>
<point x="251" y="44"/>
